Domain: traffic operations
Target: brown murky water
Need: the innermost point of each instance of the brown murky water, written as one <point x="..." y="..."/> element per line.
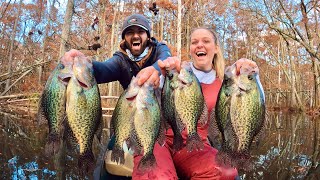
<point x="290" y="149"/>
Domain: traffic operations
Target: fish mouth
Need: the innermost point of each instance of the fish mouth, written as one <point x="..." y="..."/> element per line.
<point x="83" y="84"/>
<point x="65" y="78"/>
<point x="131" y="98"/>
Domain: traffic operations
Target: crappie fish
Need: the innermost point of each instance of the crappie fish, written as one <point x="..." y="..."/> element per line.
<point x="240" y="110"/>
<point x="185" y="103"/>
<point x="146" y="121"/>
<point x="167" y="105"/>
<point x="121" y="123"/>
<point x="136" y="120"/>
<point x="83" y="108"/>
<point x="52" y="108"/>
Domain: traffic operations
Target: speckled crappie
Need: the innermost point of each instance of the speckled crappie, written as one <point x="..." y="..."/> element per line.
<point x="167" y="105"/>
<point x="83" y="108"/>
<point x="121" y="122"/>
<point x="137" y="122"/>
<point x="240" y="110"/>
<point x="52" y="108"/>
<point x="146" y="121"/>
<point x="184" y="106"/>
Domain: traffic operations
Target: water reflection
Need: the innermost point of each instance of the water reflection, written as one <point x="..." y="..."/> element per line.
<point x="22" y="152"/>
<point x="289" y="149"/>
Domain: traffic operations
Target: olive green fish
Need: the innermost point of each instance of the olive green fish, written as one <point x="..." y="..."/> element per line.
<point x="136" y="121"/>
<point x="52" y="108"/>
<point x="83" y="108"/>
<point x="188" y="105"/>
<point x="167" y="105"/>
<point x="121" y="123"/>
<point x="146" y="123"/>
<point x="240" y="110"/>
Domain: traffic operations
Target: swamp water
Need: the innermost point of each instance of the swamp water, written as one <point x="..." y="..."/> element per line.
<point x="289" y="149"/>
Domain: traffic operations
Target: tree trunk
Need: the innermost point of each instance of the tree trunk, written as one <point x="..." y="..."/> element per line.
<point x="102" y="30"/>
<point x="179" y="30"/>
<point x="11" y="46"/>
<point x="316" y="75"/>
<point x="112" y="36"/>
<point x="279" y="77"/>
<point x="66" y="28"/>
<point x="161" y="14"/>
<point x="45" y="39"/>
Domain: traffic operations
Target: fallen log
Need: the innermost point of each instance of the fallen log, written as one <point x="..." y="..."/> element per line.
<point x="19" y="96"/>
<point x="6" y="76"/>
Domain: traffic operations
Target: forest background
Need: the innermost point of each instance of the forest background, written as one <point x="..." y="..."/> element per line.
<point x="281" y="36"/>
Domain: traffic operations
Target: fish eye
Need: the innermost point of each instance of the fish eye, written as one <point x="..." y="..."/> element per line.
<point x="250" y="77"/>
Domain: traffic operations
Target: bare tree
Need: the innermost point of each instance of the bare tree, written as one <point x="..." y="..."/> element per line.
<point x="281" y="16"/>
<point x="11" y="46"/>
<point x="66" y="28"/>
<point x="179" y="30"/>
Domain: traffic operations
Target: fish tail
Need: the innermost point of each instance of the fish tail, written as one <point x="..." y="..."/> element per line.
<point x="194" y="142"/>
<point x="161" y="135"/>
<point x="53" y="145"/>
<point x="147" y="162"/>
<point x="239" y="160"/>
<point x="224" y="159"/>
<point x="177" y="142"/>
<point x="86" y="163"/>
<point x="117" y="154"/>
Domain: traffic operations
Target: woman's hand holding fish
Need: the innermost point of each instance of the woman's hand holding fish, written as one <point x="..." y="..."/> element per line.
<point x="244" y="65"/>
<point x="169" y="63"/>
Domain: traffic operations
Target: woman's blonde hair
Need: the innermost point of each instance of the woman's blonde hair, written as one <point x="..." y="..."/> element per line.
<point x="218" y="61"/>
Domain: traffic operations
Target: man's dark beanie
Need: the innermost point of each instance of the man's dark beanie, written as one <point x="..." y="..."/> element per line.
<point x="136" y="20"/>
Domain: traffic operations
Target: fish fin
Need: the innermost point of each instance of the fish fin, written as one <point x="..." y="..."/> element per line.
<point x="147" y="163"/>
<point x="86" y="163"/>
<point x="214" y="135"/>
<point x="239" y="160"/>
<point x="117" y="154"/>
<point x="162" y="130"/>
<point x="260" y="135"/>
<point x="134" y="143"/>
<point x="41" y="118"/>
<point x="194" y="142"/>
<point x="53" y="145"/>
<point x="99" y="130"/>
<point x="177" y="141"/>
<point x="203" y="119"/>
<point x="224" y="158"/>
<point x="179" y="122"/>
